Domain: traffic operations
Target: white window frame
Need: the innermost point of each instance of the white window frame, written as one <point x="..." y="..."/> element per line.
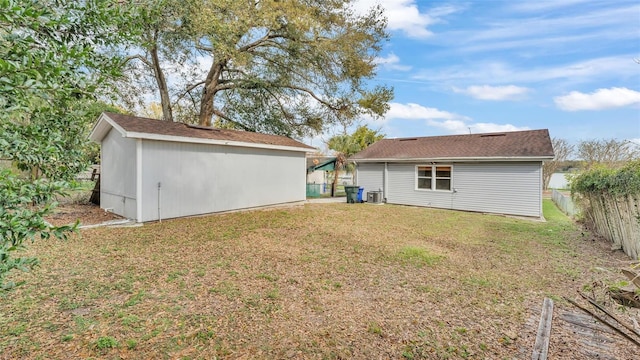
<point x="433" y="177"/>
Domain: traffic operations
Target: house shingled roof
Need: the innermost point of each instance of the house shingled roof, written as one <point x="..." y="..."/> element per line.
<point x="152" y="126"/>
<point x="516" y="144"/>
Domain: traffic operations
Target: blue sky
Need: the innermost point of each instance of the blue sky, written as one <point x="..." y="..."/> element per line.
<point x="484" y="66"/>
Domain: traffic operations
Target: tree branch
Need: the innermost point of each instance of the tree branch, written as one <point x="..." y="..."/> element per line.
<point x="277" y="99"/>
<point x="204" y="48"/>
<point x="137" y="57"/>
<point x="188" y="89"/>
<point x="222" y="115"/>
<point x="313" y="95"/>
<point x="289" y="70"/>
<point x="266" y="38"/>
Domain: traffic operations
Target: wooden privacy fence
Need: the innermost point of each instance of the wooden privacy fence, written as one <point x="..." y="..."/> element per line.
<point x="617" y="218"/>
<point x="610" y="200"/>
<point x="564" y="203"/>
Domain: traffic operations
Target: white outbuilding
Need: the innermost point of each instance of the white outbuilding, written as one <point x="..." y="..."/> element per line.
<point x="152" y="169"/>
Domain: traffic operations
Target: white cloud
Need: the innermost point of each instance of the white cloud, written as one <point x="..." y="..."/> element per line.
<point x="491" y="127"/>
<point x="536" y="26"/>
<point x="405" y="16"/>
<point x="451" y="122"/>
<point x="544" y="5"/>
<point x="598" y="100"/>
<point x="502" y="73"/>
<point x="392" y="62"/>
<point x="444" y="10"/>
<point x="495" y="93"/>
<point x="413" y="111"/>
<point x="461" y="127"/>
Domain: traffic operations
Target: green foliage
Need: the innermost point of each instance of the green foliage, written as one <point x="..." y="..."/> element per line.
<point x="85" y="113"/>
<point x="363" y="137"/>
<point x="49" y="144"/>
<point x="346" y="145"/>
<point x="47" y="49"/>
<point x="349" y="145"/>
<point x="283" y="67"/>
<point x="131" y="344"/>
<point x="417" y="256"/>
<point x="553" y="214"/>
<point x="374" y="328"/>
<point x="135" y="299"/>
<point x="49" y="67"/>
<point x="106" y="342"/>
<point x="600" y="179"/>
<point x="21" y="220"/>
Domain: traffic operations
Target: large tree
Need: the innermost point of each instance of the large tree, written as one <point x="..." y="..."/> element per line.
<point x="48" y="65"/>
<point x="562" y="150"/>
<point x="280" y="66"/>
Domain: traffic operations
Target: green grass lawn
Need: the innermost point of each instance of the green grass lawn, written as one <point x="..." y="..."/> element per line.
<point x="317" y="281"/>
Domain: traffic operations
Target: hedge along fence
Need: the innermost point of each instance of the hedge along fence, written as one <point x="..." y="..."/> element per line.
<point x="611" y="204"/>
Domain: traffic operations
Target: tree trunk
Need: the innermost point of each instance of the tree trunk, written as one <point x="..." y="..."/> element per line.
<point x="334" y="185"/>
<point x="546" y="179"/>
<point x="209" y="92"/>
<point x="165" y="100"/>
<point x="339" y="165"/>
<point x="206" y="107"/>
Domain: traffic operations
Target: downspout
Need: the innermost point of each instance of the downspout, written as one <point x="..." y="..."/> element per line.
<point x="159" y="217"/>
<point x="385" y="176"/>
<point x="541" y="189"/>
<point x="139" y="180"/>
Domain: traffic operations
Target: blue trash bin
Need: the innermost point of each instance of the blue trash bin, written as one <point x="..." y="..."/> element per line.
<point x="360" y="190"/>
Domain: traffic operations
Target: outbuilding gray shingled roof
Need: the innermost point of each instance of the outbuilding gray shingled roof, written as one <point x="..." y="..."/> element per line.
<point x="516" y="144"/>
<point x="152" y="126"/>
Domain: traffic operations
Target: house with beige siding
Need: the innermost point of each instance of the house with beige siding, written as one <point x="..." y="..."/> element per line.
<point x="492" y="172"/>
<point x="152" y="169"/>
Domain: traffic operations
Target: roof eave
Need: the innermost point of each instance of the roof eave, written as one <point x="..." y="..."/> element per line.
<point x="102" y="127"/>
<point x="456" y="159"/>
<point x="105" y="123"/>
<point x="185" y="139"/>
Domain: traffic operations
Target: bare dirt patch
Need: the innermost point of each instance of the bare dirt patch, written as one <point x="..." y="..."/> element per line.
<point x="87" y="214"/>
<point x="323" y="281"/>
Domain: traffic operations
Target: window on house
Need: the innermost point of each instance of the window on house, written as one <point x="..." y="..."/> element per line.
<point x="424" y="177"/>
<point x="434" y="177"/>
<point x="443" y="177"/>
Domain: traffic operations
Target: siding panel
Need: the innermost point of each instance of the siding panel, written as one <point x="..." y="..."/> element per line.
<point x="402" y="189"/>
<point x="504" y="188"/>
<point x="118" y="175"/>
<point x="201" y="178"/>
<point x="370" y="177"/>
<point x="510" y="188"/>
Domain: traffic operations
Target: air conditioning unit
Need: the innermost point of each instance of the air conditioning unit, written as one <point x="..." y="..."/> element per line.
<point x="374" y="197"/>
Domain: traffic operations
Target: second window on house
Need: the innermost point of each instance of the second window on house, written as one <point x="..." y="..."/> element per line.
<point x="433" y="177"/>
